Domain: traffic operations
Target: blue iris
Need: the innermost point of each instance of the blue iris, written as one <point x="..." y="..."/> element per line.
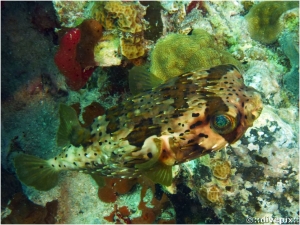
<point x="221" y="121"/>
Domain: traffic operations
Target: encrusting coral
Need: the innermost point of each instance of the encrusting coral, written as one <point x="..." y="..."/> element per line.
<point x="178" y="53"/>
<point x="264" y="22"/>
<point x="127" y="19"/>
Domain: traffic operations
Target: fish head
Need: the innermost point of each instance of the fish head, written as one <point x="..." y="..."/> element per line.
<point x="224" y="107"/>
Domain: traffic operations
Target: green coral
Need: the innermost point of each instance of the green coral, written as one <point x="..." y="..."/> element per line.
<point x="178" y="53"/>
<point x="264" y="22"/>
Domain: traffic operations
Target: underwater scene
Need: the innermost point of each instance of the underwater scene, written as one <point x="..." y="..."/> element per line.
<point x="150" y="112"/>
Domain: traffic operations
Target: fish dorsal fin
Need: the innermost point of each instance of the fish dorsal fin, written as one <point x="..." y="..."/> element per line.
<point x="140" y="79"/>
<point x="161" y="174"/>
<point x="68" y="120"/>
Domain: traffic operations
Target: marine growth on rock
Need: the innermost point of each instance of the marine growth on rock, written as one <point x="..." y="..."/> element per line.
<point x="264" y="23"/>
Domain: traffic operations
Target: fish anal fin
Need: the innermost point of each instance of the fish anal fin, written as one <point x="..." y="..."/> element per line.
<point x="161" y="174"/>
<point x="35" y="172"/>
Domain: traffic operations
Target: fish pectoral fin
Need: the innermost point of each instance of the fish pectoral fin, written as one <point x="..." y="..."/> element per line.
<point x="70" y="131"/>
<point x="99" y="179"/>
<point x="35" y="172"/>
<point x="67" y="121"/>
<point x="161" y="174"/>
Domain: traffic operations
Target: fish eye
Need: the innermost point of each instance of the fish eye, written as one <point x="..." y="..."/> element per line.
<point x="223" y="123"/>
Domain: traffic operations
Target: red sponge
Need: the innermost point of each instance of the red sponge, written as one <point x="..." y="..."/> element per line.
<point x="65" y="59"/>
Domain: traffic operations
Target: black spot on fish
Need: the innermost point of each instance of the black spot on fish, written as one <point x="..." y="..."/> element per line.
<point x="64" y="165"/>
<point x="202" y="135"/>
<point x="141" y="130"/>
<point x="41" y="167"/>
<point x="181" y="134"/>
<point x="95" y="154"/>
<point x="198" y="123"/>
<point x="59" y="165"/>
<point x="75" y="163"/>
<point x="195" y="114"/>
<point x="66" y="155"/>
<point x="52" y="165"/>
<point x="85" y="154"/>
<point x="100" y="143"/>
<point x="55" y="158"/>
<point x="149" y="154"/>
<point x="191" y="141"/>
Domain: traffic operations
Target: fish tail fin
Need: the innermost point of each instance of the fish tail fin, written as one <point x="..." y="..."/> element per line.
<point x="35" y="172"/>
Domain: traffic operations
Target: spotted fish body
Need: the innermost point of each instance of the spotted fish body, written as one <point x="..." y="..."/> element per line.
<point x="187" y="117"/>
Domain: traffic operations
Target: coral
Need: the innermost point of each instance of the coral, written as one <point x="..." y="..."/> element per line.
<point x="69" y="11"/>
<point x="264" y="22"/>
<point x="75" y="57"/>
<point x="289" y="42"/>
<point x="152" y="208"/>
<point x="212" y="193"/>
<point x="127" y="19"/>
<point x="65" y="59"/>
<point x="178" y="53"/>
<point x="221" y="169"/>
<point x="196" y="5"/>
<point x="91" y="32"/>
<point x="126" y="16"/>
<point x="107" y="51"/>
<point x="23" y="211"/>
<point x="132" y="47"/>
<point x="119" y="215"/>
<point x="114" y="187"/>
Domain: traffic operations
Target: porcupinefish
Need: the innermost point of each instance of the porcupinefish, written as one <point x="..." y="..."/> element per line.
<point x="186" y="117"/>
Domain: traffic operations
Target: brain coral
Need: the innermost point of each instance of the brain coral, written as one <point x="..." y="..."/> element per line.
<point x="178" y="53"/>
<point x="264" y="22"/>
